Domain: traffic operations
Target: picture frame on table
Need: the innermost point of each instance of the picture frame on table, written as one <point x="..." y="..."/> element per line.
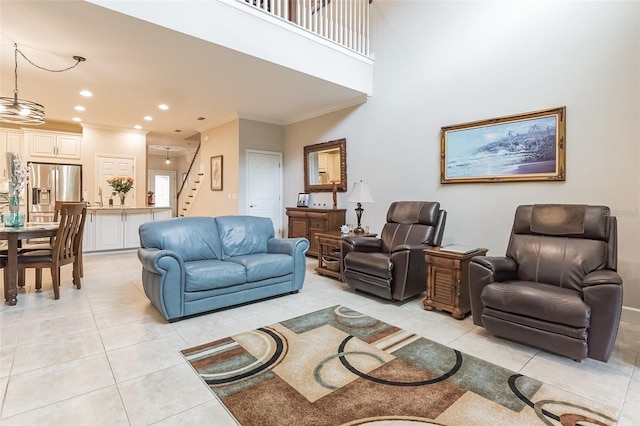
<point x="216" y="173"/>
<point x="303" y="199"/>
<point x="522" y="147"/>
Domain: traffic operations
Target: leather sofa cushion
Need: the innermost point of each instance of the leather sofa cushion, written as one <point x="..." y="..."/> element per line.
<point x="376" y="264"/>
<point x="545" y="302"/>
<point x="194" y="238"/>
<point x="242" y="235"/>
<point x="203" y="275"/>
<point x="262" y="266"/>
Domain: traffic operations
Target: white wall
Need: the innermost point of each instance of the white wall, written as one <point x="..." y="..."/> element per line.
<point x="440" y="63"/>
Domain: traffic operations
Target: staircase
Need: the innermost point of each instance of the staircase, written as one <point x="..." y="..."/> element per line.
<point x="190" y="185"/>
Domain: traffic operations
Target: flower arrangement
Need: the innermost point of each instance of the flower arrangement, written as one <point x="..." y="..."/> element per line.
<point x="121" y="184"/>
<point x="18" y="175"/>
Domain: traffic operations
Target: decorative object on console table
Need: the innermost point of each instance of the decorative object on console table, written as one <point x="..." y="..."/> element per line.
<point x="303" y="199"/>
<point x="330" y="252"/>
<point x="307" y="222"/>
<point x="335" y="195"/>
<point x="448" y="278"/>
<point x="360" y="194"/>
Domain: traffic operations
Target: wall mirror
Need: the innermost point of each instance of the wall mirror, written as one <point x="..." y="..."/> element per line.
<point x="325" y="164"/>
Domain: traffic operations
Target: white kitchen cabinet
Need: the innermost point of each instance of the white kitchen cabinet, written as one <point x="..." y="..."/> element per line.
<point x="113" y="228"/>
<point x="109" y="230"/>
<point x="132" y="221"/>
<point x="162" y="214"/>
<point x="89" y="235"/>
<point x="54" y="145"/>
<point x="10" y="141"/>
<point x="118" y="228"/>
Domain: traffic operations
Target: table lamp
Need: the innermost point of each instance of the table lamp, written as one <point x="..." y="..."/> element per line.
<point x="360" y="194"/>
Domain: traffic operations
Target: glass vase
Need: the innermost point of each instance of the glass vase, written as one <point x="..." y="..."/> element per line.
<point x="14" y="218"/>
<point x="122" y="197"/>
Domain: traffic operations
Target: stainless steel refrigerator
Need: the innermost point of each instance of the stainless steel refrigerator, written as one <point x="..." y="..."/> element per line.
<point x="49" y="183"/>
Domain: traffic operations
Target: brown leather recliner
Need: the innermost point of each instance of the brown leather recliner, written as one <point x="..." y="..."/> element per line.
<point x="557" y="288"/>
<point x="393" y="266"/>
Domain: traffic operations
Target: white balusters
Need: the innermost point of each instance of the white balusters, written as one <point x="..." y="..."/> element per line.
<point x="345" y="22"/>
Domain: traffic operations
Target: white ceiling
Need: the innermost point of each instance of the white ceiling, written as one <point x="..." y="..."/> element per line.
<point x="132" y="66"/>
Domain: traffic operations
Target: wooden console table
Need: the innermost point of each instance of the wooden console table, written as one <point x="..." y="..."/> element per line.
<point x="448" y="280"/>
<point x="330" y="246"/>
<point x="307" y="222"/>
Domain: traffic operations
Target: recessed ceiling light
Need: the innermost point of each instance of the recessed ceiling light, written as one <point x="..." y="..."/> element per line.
<point x="86" y="94"/>
<point x="200" y="118"/>
<point x="137" y="126"/>
<point x="78" y="119"/>
<point x="79" y="108"/>
<point x="163" y="107"/>
<point x="177" y="130"/>
<point x="148" y="117"/>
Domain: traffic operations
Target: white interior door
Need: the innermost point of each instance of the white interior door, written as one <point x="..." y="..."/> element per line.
<point x="163" y="185"/>
<point x="109" y="167"/>
<point x="264" y="186"/>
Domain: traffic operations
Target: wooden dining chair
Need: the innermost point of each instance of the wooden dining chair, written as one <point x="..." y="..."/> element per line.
<point x="64" y="251"/>
<point x="56" y="217"/>
<point x="49" y="245"/>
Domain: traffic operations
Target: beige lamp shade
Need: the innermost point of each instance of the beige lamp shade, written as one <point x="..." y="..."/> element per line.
<point x="360" y="193"/>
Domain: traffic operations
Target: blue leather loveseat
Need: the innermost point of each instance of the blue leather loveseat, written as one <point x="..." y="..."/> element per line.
<point x="197" y="264"/>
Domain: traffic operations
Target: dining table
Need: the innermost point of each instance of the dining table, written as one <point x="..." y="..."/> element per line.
<point x="14" y="235"/>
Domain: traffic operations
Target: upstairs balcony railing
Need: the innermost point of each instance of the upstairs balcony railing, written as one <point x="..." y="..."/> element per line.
<point x="345" y="22"/>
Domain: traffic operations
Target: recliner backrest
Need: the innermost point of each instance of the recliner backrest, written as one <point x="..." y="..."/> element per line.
<point x="412" y="222"/>
<point x="561" y="243"/>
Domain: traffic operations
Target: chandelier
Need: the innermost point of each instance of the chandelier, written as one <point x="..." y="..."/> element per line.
<point x="21" y="111"/>
<point x="167" y="161"/>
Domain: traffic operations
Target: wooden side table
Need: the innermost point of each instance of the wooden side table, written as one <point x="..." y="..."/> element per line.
<point x="448" y="280"/>
<point x="330" y="246"/>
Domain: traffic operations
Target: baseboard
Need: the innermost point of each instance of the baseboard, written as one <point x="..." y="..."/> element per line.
<point x="631" y="315"/>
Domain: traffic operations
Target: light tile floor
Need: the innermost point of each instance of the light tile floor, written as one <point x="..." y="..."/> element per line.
<point x="103" y="354"/>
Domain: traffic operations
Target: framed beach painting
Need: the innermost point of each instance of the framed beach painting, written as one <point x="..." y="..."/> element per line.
<point x="521" y="147"/>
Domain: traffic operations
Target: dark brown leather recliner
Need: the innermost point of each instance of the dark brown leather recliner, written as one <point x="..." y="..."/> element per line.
<point x="557" y="288"/>
<point x="393" y="265"/>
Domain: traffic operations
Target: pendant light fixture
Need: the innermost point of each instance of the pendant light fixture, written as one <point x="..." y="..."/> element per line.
<point x="21" y="111"/>
<point x="167" y="161"/>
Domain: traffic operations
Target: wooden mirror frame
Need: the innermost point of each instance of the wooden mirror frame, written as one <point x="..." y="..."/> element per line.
<point x="324" y="146"/>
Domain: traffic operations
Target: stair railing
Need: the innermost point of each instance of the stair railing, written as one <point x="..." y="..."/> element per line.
<point x="345" y="22"/>
<point x="190" y="185"/>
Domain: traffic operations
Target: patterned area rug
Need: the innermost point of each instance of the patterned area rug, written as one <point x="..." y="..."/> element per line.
<point x="340" y="367"/>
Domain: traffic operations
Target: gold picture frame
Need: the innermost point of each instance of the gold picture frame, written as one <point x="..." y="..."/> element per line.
<point x="521" y="147"/>
<point x="216" y="173"/>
